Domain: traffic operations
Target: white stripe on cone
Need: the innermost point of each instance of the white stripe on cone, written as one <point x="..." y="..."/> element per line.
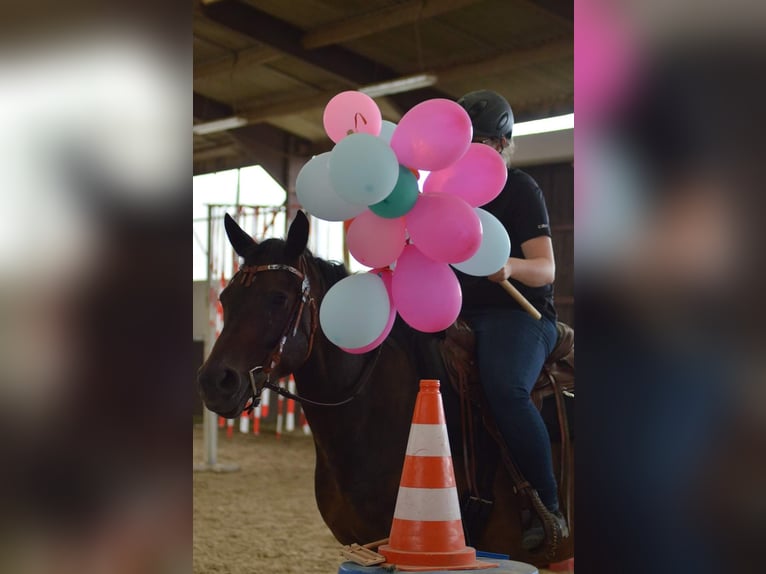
<point x="427" y="504"/>
<point x="428" y="440"/>
<point x="244" y="423"/>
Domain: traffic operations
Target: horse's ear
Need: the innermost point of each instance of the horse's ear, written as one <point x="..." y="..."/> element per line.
<point x="239" y="239"/>
<point x="297" y="236"/>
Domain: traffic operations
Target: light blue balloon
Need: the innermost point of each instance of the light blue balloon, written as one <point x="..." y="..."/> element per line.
<point x="363" y="169"/>
<point x="494" y="250"/>
<point x="316" y="194"/>
<point x="386" y="131"/>
<point x="355" y="310"/>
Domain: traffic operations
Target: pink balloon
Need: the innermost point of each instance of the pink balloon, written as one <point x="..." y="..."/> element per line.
<point x="478" y="177"/>
<point x="387" y="276"/>
<point x="444" y="227"/>
<point x="351" y="112"/>
<point x="432" y="135"/>
<point x="426" y="293"/>
<point x="376" y="241"/>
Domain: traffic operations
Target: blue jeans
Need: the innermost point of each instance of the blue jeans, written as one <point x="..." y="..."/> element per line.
<point x="511" y="348"/>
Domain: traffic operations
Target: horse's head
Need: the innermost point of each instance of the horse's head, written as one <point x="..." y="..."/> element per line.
<point x="269" y="319"/>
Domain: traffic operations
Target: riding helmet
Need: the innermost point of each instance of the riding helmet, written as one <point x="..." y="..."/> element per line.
<point x="490" y="113"/>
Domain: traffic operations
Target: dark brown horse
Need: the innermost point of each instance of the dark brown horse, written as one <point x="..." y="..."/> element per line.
<point x="270" y="330"/>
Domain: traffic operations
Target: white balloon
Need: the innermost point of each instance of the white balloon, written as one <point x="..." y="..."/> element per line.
<point x="316" y="194"/>
<point x="363" y="169"/>
<point x="494" y="250"/>
<point x="355" y="311"/>
<point x="386" y="131"/>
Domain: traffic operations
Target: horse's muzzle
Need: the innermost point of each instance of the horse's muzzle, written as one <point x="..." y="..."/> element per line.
<point x="223" y="390"/>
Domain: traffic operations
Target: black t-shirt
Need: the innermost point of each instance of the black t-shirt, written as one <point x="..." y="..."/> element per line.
<point x="520" y="207"/>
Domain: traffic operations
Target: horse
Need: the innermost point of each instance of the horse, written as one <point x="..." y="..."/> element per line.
<point x="359" y="406"/>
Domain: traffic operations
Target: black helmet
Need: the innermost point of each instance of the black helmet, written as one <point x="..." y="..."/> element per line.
<point x="490" y="113"/>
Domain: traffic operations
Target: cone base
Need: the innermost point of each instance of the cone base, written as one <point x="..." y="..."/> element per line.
<point x="405" y="560"/>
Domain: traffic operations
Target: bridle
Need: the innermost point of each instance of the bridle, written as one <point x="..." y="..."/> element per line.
<point x="262" y="373"/>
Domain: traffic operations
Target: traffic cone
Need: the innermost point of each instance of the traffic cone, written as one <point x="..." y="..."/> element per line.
<point x="427" y="531"/>
<point x="229" y="428"/>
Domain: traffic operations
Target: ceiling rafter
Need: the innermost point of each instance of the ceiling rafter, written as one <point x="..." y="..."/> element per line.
<point x="256" y="112"/>
<point x="378" y="21"/>
<point x="561" y="11"/>
<point x="207" y="109"/>
<point x="238" y="61"/>
<point x="503" y="63"/>
<point x="283" y="36"/>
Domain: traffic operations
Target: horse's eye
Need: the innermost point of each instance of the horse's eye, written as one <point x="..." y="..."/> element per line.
<point x="277" y="299"/>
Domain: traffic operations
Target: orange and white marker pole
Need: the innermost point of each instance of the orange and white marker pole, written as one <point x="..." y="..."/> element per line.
<point x="257" y="420"/>
<point x="290" y="418"/>
<point x="229" y="428"/>
<point x="244" y="422"/>
<point x="280" y="411"/>
<point x="265" y="398"/>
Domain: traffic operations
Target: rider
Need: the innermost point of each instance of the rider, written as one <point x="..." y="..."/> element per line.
<point x="511" y="345"/>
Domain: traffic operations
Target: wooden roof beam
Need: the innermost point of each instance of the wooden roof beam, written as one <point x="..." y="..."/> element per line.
<point x="207" y="109"/>
<point x="248" y="58"/>
<point x="504" y="63"/>
<point x="350" y="67"/>
<point x="562" y="12"/>
<point x="379" y="21"/>
<point x="497" y="65"/>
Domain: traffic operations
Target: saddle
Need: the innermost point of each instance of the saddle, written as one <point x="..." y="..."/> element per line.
<point x="555" y="383"/>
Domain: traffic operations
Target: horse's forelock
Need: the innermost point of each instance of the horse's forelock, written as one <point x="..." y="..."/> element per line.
<point x="268" y="251"/>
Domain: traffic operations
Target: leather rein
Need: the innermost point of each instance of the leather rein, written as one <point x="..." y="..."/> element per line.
<point x="262" y="373"/>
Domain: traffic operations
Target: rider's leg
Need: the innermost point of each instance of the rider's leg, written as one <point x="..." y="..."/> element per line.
<point x="511" y="350"/>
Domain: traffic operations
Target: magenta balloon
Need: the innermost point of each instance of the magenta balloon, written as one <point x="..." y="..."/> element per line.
<point x="426" y="293"/>
<point x="375" y="241"/>
<point x="478" y="177"/>
<point x="386" y="276"/>
<point x="351" y="112"/>
<point x="444" y="227"/>
<point x="432" y="135"/>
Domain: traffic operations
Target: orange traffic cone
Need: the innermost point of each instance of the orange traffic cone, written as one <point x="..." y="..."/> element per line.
<point x="427" y="531"/>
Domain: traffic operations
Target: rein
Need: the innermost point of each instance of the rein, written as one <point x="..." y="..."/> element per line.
<point x="262" y="374"/>
<point x="364" y="377"/>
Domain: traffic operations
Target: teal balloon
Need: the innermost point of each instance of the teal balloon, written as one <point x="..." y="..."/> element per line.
<point x="401" y="199"/>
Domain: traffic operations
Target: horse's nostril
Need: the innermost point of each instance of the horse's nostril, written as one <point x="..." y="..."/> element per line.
<point x="229" y="381"/>
<point x="219" y="381"/>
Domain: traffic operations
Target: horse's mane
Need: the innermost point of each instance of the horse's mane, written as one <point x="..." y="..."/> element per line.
<point x="330" y="271"/>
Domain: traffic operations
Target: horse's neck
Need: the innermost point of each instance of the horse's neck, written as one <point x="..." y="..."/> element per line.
<point x="377" y="418"/>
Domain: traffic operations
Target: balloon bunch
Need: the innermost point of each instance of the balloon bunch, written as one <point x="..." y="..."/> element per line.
<point x="409" y="238"/>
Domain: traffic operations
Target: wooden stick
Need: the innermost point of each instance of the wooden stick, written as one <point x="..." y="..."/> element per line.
<point x="375" y="544"/>
<point x="520" y="299"/>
